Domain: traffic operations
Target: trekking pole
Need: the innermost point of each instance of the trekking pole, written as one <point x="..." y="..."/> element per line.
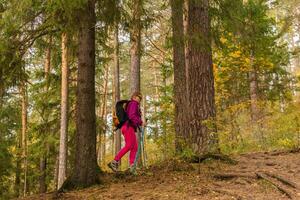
<point x="139" y="149"/>
<point x="144" y="150"/>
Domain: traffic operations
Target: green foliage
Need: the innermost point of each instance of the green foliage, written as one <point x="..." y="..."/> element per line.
<point x="9" y="130"/>
<point x="275" y="129"/>
<point x="241" y="30"/>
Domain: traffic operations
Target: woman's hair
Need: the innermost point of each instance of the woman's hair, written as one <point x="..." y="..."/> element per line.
<point x="137" y="94"/>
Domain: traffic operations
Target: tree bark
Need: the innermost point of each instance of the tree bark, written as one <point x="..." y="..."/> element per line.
<point x="253" y="90"/>
<point x="43" y="158"/>
<point x="55" y="179"/>
<point x="135" y="51"/>
<point x="48" y="59"/>
<point x="104" y="114"/>
<point x="85" y="166"/>
<point x="180" y="92"/>
<point x="117" y="82"/>
<point x="64" y="114"/>
<point x="156" y="130"/>
<point x="201" y="97"/>
<point x="24" y="133"/>
<point x="42" y="178"/>
<point x="18" y="166"/>
<point x="2" y="91"/>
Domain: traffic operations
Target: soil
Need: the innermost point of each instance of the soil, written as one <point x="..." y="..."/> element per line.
<point x="261" y="175"/>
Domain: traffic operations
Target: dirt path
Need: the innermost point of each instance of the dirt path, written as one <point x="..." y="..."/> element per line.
<point x="262" y="176"/>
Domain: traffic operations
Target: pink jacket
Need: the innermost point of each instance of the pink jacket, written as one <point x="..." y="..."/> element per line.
<point x="134" y="114"/>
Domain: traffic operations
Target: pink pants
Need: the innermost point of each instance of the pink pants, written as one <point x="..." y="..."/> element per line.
<point x="130" y="144"/>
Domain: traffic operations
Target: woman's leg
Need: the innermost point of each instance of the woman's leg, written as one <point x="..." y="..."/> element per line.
<point x="133" y="150"/>
<point x="127" y="133"/>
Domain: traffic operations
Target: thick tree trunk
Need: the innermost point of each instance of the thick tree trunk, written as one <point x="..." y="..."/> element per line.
<point x="200" y="78"/>
<point x="85" y="166"/>
<point x="185" y="25"/>
<point x="24" y="134"/>
<point x="179" y="73"/>
<point x="135" y="51"/>
<point x="64" y="114"/>
<point x="117" y="82"/>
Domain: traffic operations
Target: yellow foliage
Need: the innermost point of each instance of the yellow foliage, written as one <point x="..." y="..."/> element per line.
<point x="223" y="40"/>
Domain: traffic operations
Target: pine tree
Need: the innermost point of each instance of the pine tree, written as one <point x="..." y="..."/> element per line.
<point x="201" y="96"/>
<point x="179" y="72"/>
<point x="85" y="166"/>
<point x="64" y="113"/>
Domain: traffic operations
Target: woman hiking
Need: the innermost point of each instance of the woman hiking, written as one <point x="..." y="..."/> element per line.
<point x="128" y="131"/>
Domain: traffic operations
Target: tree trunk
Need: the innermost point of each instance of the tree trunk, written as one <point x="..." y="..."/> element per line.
<point x="85" y="166"/>
<point x="117" y="82"/>
<point x="113" y="135"/>
<point x="18" y="167"/>
<point x="135" y="51"/>
<point x="185" y="25"/>
<point x="164" y="119"/>
<point x="200" y="78"/>
<point x="2" y="90"/>
<point x="64" y="114"/>
<point x="179" y="73"/>
<point x="48" y="59"/>
<point x="156" y="130"/>
<point x="24" y="133"/>
<point x="42" y="178"/>
<point x="253" y="90"/>
<point x="104" y="114"/>
<point x="144" y="152"/>
<point x="43" y="158"/>
<point x="55" y="179"/>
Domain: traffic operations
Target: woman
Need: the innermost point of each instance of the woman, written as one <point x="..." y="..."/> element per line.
<point x="128" y="130"/>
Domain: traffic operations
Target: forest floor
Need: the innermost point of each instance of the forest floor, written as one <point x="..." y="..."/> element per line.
<point x="262" y="175"/>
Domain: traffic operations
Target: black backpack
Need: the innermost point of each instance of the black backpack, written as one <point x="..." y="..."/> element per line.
<point x="120" y="115"/>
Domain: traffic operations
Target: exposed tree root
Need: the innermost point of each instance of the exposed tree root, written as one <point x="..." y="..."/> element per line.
<point x="276" y="153"/>
<point x="221" y="157"/>
<point x="71" y="184"/>
<point x="233" y="175"/>
<point x="283" y="180"/>
<point x="282" y="190"/>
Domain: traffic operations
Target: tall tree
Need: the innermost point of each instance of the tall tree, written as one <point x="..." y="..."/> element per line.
<point x="64" y="113"/>
<point x="179" y="72"/>
<point x="135" y="51"/>
<point x="85" y="166"/>
<point x="43" y="158"/>
<point x="253" y="80"/>
<point x="117" y="81"/>
<point x="24" y="134"/>
<point x="201" y="96"/>
<point x="104" y="114"/>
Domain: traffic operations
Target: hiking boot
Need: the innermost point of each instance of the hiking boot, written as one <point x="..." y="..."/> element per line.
<point x="113" y="165"/>
<point x="131" y="170"/>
